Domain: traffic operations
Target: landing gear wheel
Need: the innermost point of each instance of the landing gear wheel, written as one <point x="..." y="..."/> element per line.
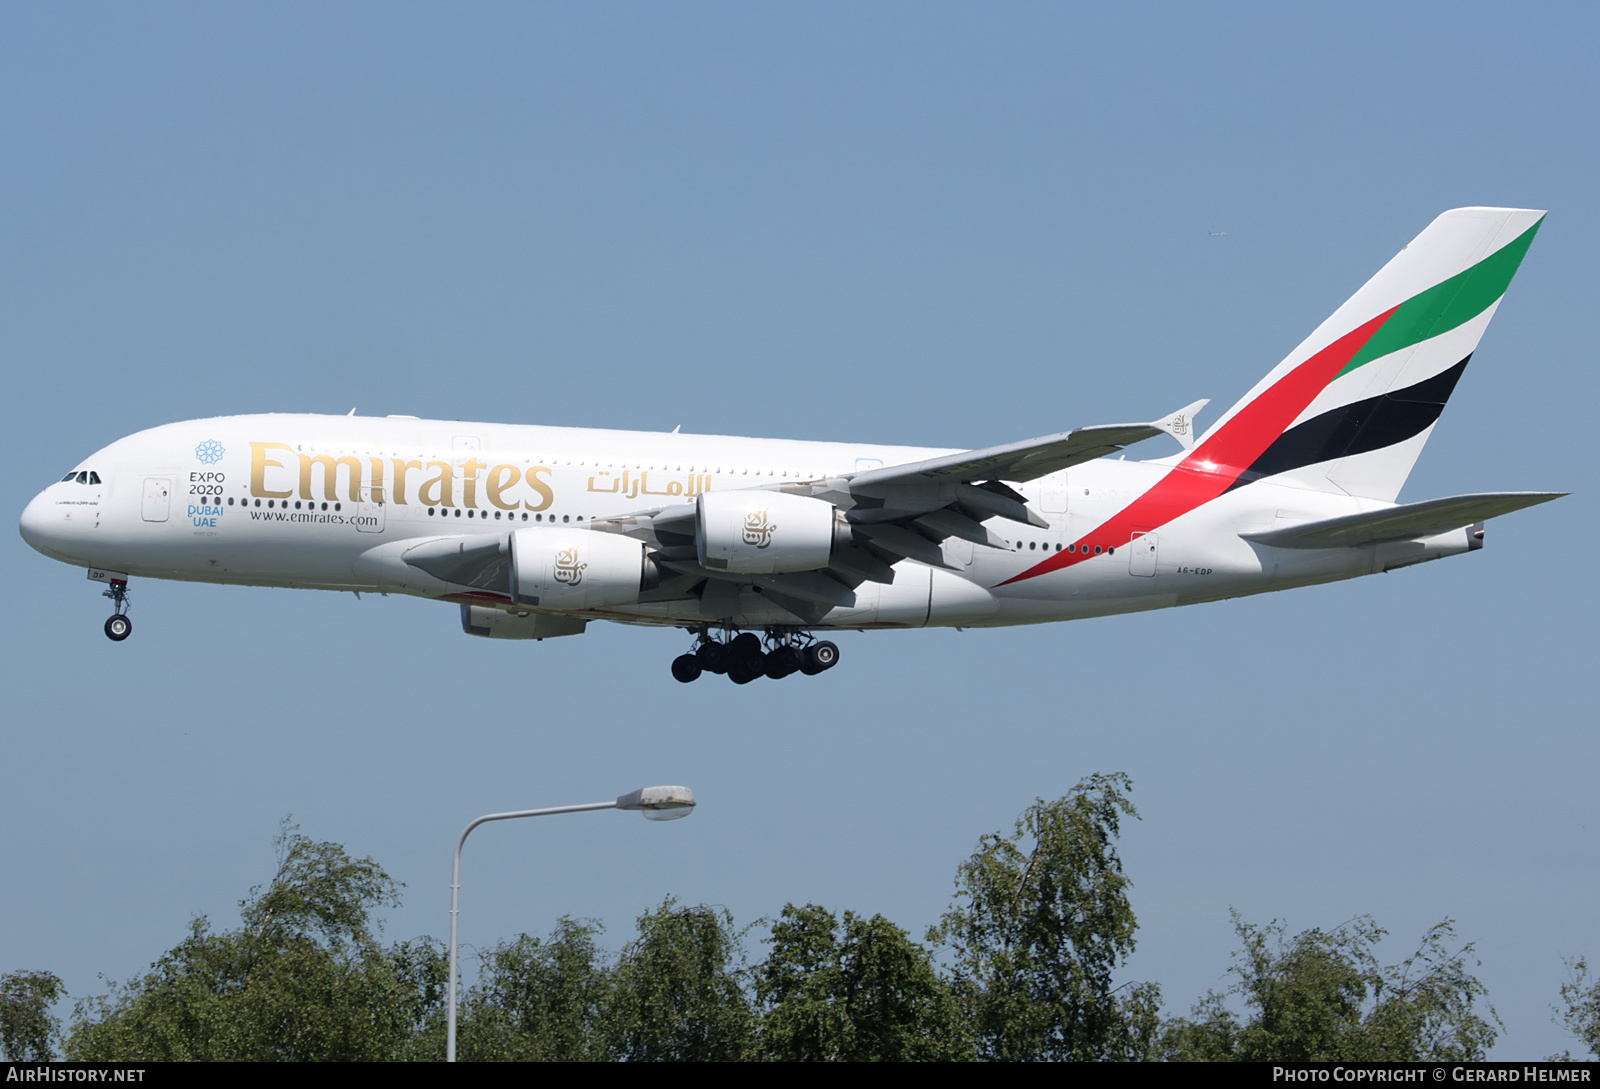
<point x="784" y="661"/>
<point x="820" y="656"/>
<point x="686" y="668"/>
<point x="118" y="628"/>
<point x="713" y="657"/>
<point x="746" y="661"/>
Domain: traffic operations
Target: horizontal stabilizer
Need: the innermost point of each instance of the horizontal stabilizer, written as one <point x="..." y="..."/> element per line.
<point x="1407" y="522"/>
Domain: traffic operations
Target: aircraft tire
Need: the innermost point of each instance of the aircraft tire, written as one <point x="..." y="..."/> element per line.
<point x="713" y="657"/>
<point x="686" y="668"/>
<point x="741" y="673"/>
<point x="118" y="628"/>
<point x="782" y="662"/>
<point x="819" y="657"/>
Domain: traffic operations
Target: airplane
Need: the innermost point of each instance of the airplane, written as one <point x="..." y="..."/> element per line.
<point x="759" y="547"/>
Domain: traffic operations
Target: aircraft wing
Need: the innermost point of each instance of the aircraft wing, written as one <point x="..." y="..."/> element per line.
<point x="1014" y="461"/>
<point x="1030" y="459"/>
<point x="1407" y="522"/>
<point x="895" y="513"/>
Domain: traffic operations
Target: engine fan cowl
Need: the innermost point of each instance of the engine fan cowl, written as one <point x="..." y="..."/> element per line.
<point x="576" y="568"/>
<point x="766" y="533"/>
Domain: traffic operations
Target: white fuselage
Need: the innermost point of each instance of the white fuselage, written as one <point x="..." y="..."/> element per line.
<point x="331" y="502"/>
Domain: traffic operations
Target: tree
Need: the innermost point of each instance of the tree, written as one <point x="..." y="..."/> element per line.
<point x="27" y="1028"/>
<point x="1324" y="997"/>
<point x="1581" y="1015"/>
<point x="540" y="1001"/>
<point x="303" y="978"/>
<point x="1041" y="925"/>
<point x="678" y="995"/>
<point x="861" y="992"/>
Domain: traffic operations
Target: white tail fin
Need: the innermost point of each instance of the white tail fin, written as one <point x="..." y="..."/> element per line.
<point x="1351" y="407"/>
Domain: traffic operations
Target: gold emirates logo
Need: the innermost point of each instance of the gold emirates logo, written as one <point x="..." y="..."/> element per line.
<point x="757" y="530"/>
<point x="569" y="572"/>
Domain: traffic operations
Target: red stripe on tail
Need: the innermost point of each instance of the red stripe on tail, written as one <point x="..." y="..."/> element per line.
<point x="1212" y="467"/>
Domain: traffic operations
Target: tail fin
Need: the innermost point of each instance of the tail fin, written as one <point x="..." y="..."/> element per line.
<point x="1351" y="407"/>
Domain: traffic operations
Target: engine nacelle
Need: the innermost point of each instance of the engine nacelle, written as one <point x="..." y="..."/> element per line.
<point x="499" y="624"/>
<point x="571" y="569"/>
<point x="766" y="533"/>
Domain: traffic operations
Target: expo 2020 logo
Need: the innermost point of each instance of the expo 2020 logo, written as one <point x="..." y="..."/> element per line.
<point x="210" y="451"/>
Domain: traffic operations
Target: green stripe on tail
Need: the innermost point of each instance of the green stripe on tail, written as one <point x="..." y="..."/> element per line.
<point x="1446" y="305"/>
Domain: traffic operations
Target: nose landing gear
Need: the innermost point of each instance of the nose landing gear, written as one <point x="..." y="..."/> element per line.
<point x="118" y="627"/>
<point x="741" y="657"/>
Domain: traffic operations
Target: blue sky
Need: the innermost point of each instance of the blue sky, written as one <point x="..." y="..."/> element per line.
<point x="948" y="225"/>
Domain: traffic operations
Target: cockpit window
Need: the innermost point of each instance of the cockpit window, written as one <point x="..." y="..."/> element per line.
<point x="83" y="478"/>
<point x="69" y="478"/>
<point x="94" y="477"/>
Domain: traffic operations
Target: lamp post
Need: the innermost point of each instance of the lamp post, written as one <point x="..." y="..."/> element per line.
<point x="657" y="803"/>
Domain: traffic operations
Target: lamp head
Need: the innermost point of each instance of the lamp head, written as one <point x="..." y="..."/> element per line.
<point x="659" y="803"/>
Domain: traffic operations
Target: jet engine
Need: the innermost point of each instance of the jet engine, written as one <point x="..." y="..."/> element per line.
<point x="571" y="569"/>
<point x="499" y="624"/>
<point x="766" y="533"/>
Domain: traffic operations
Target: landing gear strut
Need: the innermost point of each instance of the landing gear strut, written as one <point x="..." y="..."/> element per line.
<point x="119" y="627"/>
<point x="742" y="658"/>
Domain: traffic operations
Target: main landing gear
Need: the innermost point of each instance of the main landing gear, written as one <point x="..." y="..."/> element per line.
<point x="743" y="658"/>
<point x="119" y="627"/>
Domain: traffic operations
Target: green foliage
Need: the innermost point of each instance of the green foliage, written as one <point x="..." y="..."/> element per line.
<point x="677" y="994"/>
<point x="303" y="979"/>
<point x="1580" y="1008"/>
<point x="1040" y="927"/>
<point x="27" y="1028"/>
<point x="1324" y="997"/>
<point x="863" y="992"/>
<point x="540" y="1000"/>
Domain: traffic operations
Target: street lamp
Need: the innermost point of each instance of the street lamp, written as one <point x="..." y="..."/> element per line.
<point x="657" y="803"/>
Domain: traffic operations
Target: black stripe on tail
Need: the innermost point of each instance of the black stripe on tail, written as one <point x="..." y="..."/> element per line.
<point x="1357" y="428"/>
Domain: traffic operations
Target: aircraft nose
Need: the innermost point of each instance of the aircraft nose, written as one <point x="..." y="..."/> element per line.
<point x="45" y="526"/>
